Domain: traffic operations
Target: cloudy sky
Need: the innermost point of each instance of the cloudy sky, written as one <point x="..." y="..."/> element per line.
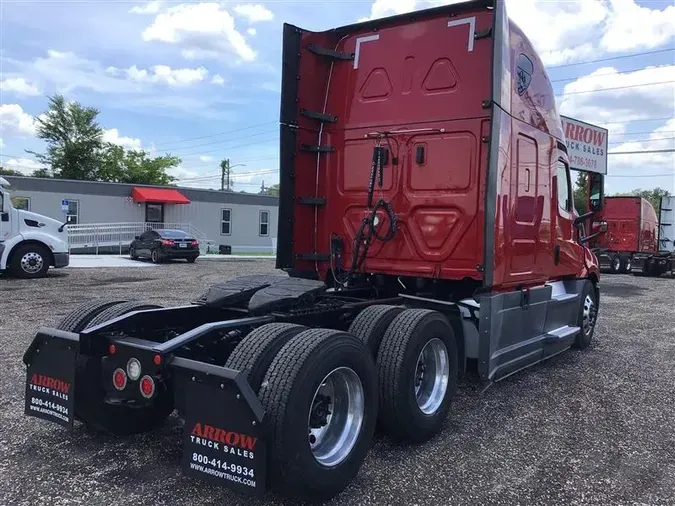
<point x="201" y="79"/>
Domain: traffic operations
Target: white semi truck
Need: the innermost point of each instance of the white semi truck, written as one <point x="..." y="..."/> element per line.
<point x="29" y="243"/>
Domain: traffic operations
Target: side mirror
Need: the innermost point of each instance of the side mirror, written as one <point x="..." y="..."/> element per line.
<point x="600" y="227"/>
<point x="596" y="191"/>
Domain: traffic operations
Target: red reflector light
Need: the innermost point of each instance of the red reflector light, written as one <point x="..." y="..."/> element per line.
<point x="147" y="387"/>
<point x="111" y="349"/>
<point x="194" y="243"/>
<point x="157" y="359"/>
<point x="167" y="242"/>
<point x="119" y="379"/>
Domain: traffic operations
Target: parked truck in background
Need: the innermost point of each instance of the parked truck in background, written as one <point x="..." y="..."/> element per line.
<point x="29" y="243"/>
<point x="637" y="240"/>
<point x="427" y="228"/>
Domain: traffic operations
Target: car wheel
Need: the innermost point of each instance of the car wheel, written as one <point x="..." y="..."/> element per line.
<point x="191" y="260"/>
<point x="155" y="256"/>
<point x="30" y="261"/>
<point x="626" y="264"/>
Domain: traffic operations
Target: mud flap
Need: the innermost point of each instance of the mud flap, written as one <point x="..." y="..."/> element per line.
<point x="224" y="433"/>
<point x="50" y="376"/>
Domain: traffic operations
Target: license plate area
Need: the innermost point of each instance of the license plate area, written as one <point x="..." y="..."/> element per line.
<point x="182" y="245"/>
<point x="50" y="380"/>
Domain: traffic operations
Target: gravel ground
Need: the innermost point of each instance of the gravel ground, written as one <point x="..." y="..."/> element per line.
<point x="592" y="427"/>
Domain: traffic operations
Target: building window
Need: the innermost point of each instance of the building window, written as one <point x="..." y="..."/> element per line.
<point x="21" y="203"/>
<point x="564" y="197"/>
<point x="73" y="213"/>
<point x="264" y="223"/>
<point x="225" y="221"/>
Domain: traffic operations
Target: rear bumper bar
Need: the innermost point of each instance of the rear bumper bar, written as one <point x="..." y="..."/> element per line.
<point x="224" y="437"/>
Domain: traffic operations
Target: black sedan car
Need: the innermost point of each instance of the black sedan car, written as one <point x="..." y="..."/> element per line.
<point x="160" y="245"/>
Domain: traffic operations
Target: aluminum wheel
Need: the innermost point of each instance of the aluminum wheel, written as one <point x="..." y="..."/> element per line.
<point x="616" y="264"/>
<point x="432" y="374"/>
<point x="589" y="314"/>
<point x="32" y="262"/>
<point x="628" y="265"/>
<point x="335" y="416"/>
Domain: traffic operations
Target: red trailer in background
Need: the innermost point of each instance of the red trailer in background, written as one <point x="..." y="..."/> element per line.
<point x="632" y="227"/>
<point x="631" y="237"/>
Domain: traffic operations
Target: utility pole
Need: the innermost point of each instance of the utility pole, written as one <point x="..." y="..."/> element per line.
<point x="225" y="175"/>
<point x="262" y="188"/>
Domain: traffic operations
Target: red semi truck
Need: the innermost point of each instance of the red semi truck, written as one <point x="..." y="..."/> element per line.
<point x="636" y="238"/>
<point x="427" y="228"/>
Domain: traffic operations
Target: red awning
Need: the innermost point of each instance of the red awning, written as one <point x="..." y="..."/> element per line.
<point x="163" y="195"/>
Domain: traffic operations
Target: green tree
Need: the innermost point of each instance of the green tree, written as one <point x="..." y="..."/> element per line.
<point x="580" y="193"/>
<point x="43" y="173"/>
<point x="654" y="196"/>
<point x="74" y="139"/>
<point x="273" y="190"/>
<point x="135" y="166"/>
<point x="9" y="172"/>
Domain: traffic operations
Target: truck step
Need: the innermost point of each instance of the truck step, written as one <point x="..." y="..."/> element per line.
<point x="564" y="296"/>
<point x="323" y="118"/>
<point x="561" y="333"/>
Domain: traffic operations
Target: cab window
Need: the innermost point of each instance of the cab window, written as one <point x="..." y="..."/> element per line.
<point x="564" y="194"/>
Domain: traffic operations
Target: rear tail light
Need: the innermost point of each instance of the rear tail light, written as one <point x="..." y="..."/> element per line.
<point x="119" y="379"/>
<point x="167" y="242"/>
<point x="147" y="386"/>
<point x="194" y="242"/>
<point x="133" y="369"/>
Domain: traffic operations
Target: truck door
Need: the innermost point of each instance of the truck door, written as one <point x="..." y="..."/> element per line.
<point x="567" y="252"/>
<point x="4" y="217"/>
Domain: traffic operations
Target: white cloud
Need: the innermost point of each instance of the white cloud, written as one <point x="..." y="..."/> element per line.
<point x="24" y="165"/>
<point x="631" y="26"/>
<point x="112" y="135"/>
<point x="204" y="30"/>
<point x="254" y="13"/>
<point x="149" y="8"/>
<point x="166" y="75"/>
<point x="206" y="158"/>
<point x="252" y="31"/>
<point x="218" y="79"/>
<point x="13" y="120"/>
<point x="636" y="98"/>
<point x="2" y="143"/>
<point x="19" y="86"/>
<point x="565" y="31"/>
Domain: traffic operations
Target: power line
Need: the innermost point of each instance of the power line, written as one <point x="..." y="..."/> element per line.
<point x="231" y="147"/>
<point x="220" y="141"/>
<point x="615" y="88"/>
<point x="611" y="58"/>
<point x="625" y="141"/>
<point x="596" y="75"/>
<point x="644" y="152"/>
<point x="640" y="133"/>
<point x="216" y="135"/>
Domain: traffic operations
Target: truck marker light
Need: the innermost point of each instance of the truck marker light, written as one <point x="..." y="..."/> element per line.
<point x="157" y="359"/>
<point x="112" y="349"/>
<point x="147" y="386"/>
<point x="119" y="379"/>
<point x="134" y="369"/>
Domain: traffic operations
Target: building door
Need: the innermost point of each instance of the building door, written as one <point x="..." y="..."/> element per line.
<point x="154" y="213"/>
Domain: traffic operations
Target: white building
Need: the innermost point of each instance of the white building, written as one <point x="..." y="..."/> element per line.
<point x="245" y="222"/>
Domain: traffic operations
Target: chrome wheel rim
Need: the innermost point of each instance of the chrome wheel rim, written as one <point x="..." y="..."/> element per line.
<point x="616" y="263"/>
<point x="432" y="374"/>
<point x="589" y="314"/>
<point x="32" y="262"/>
<point x="627" y="265"/>
<point x="155" y="256"/>
<point x="336" y="416"/>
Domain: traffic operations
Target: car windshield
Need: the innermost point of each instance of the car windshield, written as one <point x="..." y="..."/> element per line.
<point x="172" y="234"/>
